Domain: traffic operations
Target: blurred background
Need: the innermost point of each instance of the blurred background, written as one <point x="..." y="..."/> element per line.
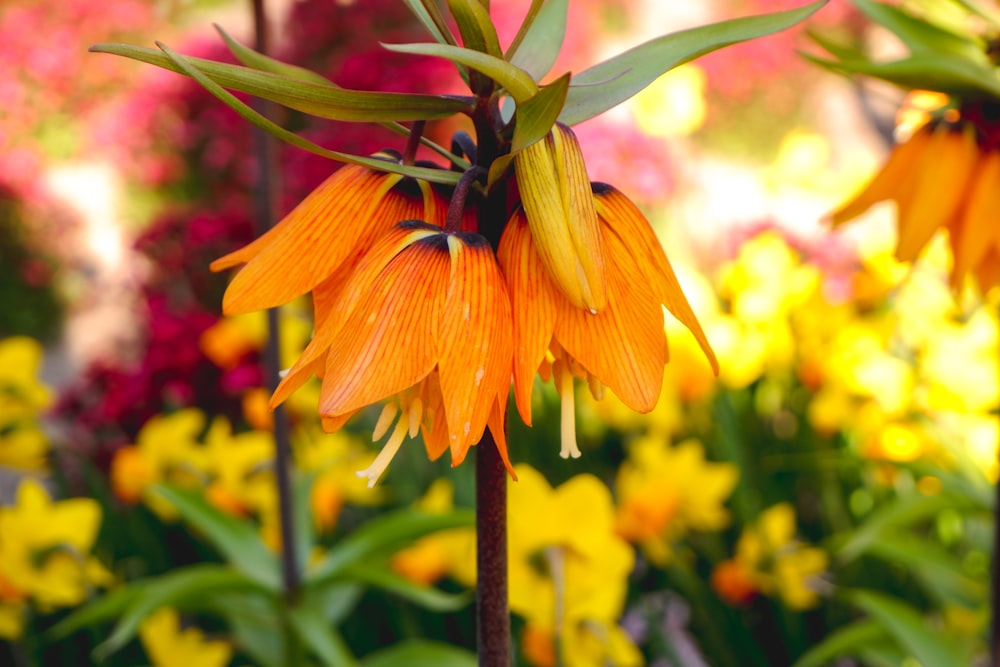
<point x="848" y="446"/>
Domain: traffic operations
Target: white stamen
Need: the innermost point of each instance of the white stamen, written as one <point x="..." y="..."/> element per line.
<point x="416" y="416"/>
<point x="381" y="462"/>
<point x="389" y="411"/>
<point x="567" y="415"/>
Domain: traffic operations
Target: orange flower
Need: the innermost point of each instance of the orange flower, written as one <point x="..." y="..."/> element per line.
<point x="946" y="176"/>
<point x="425" y="325"/>
<point x="325" y="235"/>
<point x="623" y="346"/>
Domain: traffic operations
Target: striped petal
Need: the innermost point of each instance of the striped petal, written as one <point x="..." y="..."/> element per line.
<point x="474" y="362"/>
<point x="388" y="343"/>
<point x="555" y="192"/>
<point x="978" y="229"/>
<point x="627" y="223"/>
<point x="624" y="345"/>
<point x="533" y="302"/>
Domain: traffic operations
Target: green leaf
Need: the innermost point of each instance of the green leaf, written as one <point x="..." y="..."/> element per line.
<point x="237" y="540"/>
<point x="427" y="13"/>
<point x="335" y="601"/>
<point x="304" y="527"/>
<point x="432" y="175"/>
<point x="846" y="641"/>
<point x="380" y="576"/>
<point x="919" y="35"/>
<point x="941" y="573"/>
<point x="255" y="623"/>
<point x="540" y="38"/>
<point x="320" y="637"/>
<point x="513" y="79"/>
<point x="259" y="61"/>
<point x="420" y="653"/>
<point x="897" y="513"/>
<point x="384" y="534"/>
<point x="942" y="72"/>
<point x="101" y="610"/>
<point x="190" y="588"/>
<point x="533" y="121"/>
<point x="475" y="26"/>
<point x="603" y="86"/>
<point x="908" y="627"/>
<point x="324" y="101"/>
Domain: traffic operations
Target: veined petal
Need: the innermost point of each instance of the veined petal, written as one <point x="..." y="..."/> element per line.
<point x="533" y="302"/>
<point x="939" y="188"/>
<point x="977" y="230"/>
<point x="555" y="193"/>
<point x="624" y="345"/>
<point x="498" y="427"/>
<point x="388" y="342"/>
<point x="900" y="168"/>
<point x="474" y="363"/>
<point x="623" y="219"/>
<point x="332" y="225"/>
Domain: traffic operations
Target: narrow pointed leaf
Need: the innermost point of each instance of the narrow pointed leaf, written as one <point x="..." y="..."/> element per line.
<point x="943" y="72"/>
<point x="513" y="79"/>
<point x="432" y="175"/>
<point x="475" y="26"/>
<point x="236" y="540"/>
<point x="259" y="61"/>
<point x="536" y="49"/>
<point x="534" y="120"/>
<point x="320" y="637"/>
<point x="190" y="588"/>
<point x="919" y="35"/>
<point x="430" y="598"/>
<point x="105" y="608"/>
<point x="939" y="572"/>
<point x="595" y="90"/>
<point x="909" y="628"/>
<point x="383" y="535"/>
<point x="427" y="13"/>
<point x="325" y="101"/>
<point x="421" y="653"/>
<point x="843" y="642"/>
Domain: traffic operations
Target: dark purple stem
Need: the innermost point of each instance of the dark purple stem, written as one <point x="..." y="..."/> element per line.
<point x="492" y="612"/>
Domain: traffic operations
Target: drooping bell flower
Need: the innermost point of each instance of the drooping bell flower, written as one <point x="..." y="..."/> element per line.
<point x="328" y="231"/>
<point x="945" y="176"/>
<point x="425" y="326"/>
<point x="559" y="209"/>
<point x="623" y="346"/>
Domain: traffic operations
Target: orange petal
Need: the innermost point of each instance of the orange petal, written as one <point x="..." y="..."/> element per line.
<point x="624" y="345"/>
<point x="330" y="226"/>
<point x="434" y="426"/>
<point x="533" y="303"/>
<point x="623" y="219"/>
<point x="900" y="168"/>
<point x="979" y="227"/>
<point x="939" y="188"/>
<point x="498" y="427"/>
<point x="388" y="342"/>
<point x="476" y="349"/>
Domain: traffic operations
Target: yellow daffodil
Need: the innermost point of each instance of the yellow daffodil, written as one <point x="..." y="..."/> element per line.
<point x="169" y="645"/>
<point x="45" y="548"/>
<point x="23" y="445"/>
<point x="566" y="577"/>
<point x="945" y="176"/>
<point x="770" y="560"/>
<point x="623" y="346"/>
<point x="664" y="491"/>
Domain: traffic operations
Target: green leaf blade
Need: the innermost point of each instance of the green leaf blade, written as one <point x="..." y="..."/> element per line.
<point x="603" y="86"/>
<point x="537" y="50"/>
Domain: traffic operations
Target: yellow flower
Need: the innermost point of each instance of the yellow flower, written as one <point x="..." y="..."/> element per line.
<point x="168" y="645"/>
<point x="566" y="576"/>
<point x="945" y="176"/>
<point x="665" y="491"/>
<point x="45" y="548"/>
<point x="624" y="345"/>
<point x="770" y="560"/>
<point x="23" y="445"/>
<point x="239" y="468"/>
<point x="445" y="553"/>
